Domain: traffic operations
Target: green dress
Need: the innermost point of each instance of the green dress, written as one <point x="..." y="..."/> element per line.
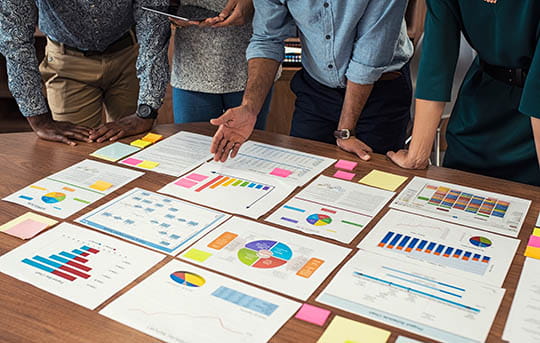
<point x="490" y="130"/>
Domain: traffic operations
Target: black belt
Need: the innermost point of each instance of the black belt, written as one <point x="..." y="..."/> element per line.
<point x="123" y="42"/>
<point x="511" y="76"/>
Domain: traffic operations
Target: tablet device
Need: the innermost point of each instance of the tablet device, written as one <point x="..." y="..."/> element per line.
<point x="185" y="12"/>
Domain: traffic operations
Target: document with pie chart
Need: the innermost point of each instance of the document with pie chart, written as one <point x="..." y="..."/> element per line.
<point x="72" y="189"/>
<point x="332" y="208"/>
<point x="268" y="257"/>
<point x="183" y="303"/>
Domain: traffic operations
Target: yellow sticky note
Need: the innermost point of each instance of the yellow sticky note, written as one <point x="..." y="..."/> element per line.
<point x="148" y="164"/>
<point x="101" y="186"/>
<point x="139" y="143"/>
<point x="197" y="255"/>
<point x="343" y="330"/>
<point x="25" y="217"/>
<point x="532" y="252"/>
<point x="380" y="179"/>
<point x="536" y="231"/>
<point x="152" y="137"/>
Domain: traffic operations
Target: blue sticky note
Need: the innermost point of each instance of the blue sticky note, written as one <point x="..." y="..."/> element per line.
<point x="115" y="151"/>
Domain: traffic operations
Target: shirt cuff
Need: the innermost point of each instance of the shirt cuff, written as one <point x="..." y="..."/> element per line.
<point x="274" y="51"/>
<point x="33" y="107"/>
<point x="363" y="74"/>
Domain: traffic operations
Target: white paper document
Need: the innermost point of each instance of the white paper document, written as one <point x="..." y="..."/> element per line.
<point x="72" y="189"/>
<point x="233" y="191"/>
<point x="176" y="154"/>
<point x="332" y="208"/>
<point x="449" y="248"/>
<point x="411" y="297"/>
<point x="183" y="303"/>
<point x="489" y="211"/>
<point x="268" y="257"/>
<point x="78" y="264"/>
<point x="523" y="323"/>
<point x="291" y="166"/>
<point x="156" y="221"/>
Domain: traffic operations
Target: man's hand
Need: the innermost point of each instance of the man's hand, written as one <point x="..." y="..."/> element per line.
<point x="405" y="159"/>
<point x="235" y="13"/>
<point x="183" y="23"/>
<point x="355" y="146"/>
<point x="126" y="126"/>
<point x="235" y="127"/>
<point x="47" y="128"/>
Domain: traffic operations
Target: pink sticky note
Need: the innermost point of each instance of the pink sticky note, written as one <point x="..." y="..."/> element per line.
<point x="344" y="175"/>
<point x="27" y="229"/>
<point x="132" y="161"/>
<point x="347" y="165"/>
<point x="185" y="183"/>
<point x="534" y="241"/>
<point x="197" y="177"/>
<point x="313" y="314"/>
<point x="281" y="172"/>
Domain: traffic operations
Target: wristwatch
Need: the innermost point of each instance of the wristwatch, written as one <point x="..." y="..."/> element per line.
<point x="146" y="112"/>
<point x="343" y="134"/>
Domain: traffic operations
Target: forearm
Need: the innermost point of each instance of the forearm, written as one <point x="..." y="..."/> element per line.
<point x="261" y="74"/>
<point x="356" y="97"/>
<point x="535" y="123"/>
<point x="426" y="120"/>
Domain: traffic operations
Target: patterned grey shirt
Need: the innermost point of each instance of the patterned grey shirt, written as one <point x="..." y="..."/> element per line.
<point x="89" y="25"/>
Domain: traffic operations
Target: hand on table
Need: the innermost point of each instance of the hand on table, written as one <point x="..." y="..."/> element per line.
<point x="47" y="128"/>
<point x="355" y="146"/>
<point x="405" y="159"/>
<point x="115" y="130"/>
<point x="235" y="13"/>
<point x="235" y="127"/>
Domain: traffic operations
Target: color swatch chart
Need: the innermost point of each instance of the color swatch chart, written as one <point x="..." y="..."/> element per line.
<point x="463" y="205"/>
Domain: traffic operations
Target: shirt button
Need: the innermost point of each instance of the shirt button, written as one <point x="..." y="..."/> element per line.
<point x="326" y="5"/>
<point x="327" y="37"/>
<point x="330" y="66"/>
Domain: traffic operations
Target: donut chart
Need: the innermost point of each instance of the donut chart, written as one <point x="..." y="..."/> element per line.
<point x="319" y="219"/>
<point x="479" y="241"/>
<point x="53" y="197"/>
<point x="188" y="279"/>
<point x="265" y="254"/>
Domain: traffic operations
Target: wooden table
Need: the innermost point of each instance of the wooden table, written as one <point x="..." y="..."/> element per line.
<point x="28" y="314"/>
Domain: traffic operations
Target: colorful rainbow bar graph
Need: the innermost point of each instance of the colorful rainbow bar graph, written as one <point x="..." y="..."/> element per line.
<point x="435" y="252"/>
<point x="219" y="181"/>
<point x="67" y="265"/>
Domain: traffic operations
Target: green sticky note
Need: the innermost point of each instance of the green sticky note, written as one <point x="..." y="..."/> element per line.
<point x="197" y="255"/>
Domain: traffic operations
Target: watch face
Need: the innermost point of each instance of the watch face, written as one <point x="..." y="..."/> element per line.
<point x="144" y="111"/>
<point x="342" y="134"/>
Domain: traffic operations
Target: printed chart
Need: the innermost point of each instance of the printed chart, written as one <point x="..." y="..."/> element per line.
<point x="156" y="221"/>
<point x="229" y="190"/>
<point x="463" y="205"/>
<point x="77" y="264"/>
<point x="276" y="259"/>
<point x="413" y="298"/>
<point x="332" y="208"/>
<point x="202" y="310"/>
<point x="450" y="248"/>
<point x="287" y="165"/>
<point x="72" y="189"/>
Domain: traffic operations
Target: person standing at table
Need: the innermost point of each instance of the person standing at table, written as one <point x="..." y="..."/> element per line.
<point x="495" y="123"/>
<point x="209" y="69"/>
<point x="92" y="60"/>
<point x="354" y="89"/>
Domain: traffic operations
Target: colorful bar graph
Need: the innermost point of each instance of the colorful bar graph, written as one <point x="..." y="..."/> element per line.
<point x="412" y="244"/>
<point x="421" y="245"/>
<point x="394" y="241"/>
<point x="466" y="256"/>
<point x="439" y="250"/>
<point x="430" y="247"/>
<point x="403" y="242"/>
<point x="209" y="183"/>
<point x="448" y="252"/>
<point x="386" y="239"/>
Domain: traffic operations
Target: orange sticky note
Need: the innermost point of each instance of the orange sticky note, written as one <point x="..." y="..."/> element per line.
<point x="532" y="252"/>
<point x="152" y="137"/>
<point x="101" y="185"/>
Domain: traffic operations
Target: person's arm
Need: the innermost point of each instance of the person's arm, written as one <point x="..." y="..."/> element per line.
<point x="535" y="123"/>
<point x="235" y="13"/>
<point x="153" y="34"/>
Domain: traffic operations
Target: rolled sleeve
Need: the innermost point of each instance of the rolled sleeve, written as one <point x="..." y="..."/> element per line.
<point x="530" y="99"/>
<point x="376" y="41"/>
<point x="272" y="24"/>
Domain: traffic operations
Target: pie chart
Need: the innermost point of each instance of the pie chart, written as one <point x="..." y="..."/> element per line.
<point x="265" y="254"/>
<point x="53" y="197"/>
<point x="319" y="219"/>
<point x="188" y="279"/>
<point x="479" y="241"/>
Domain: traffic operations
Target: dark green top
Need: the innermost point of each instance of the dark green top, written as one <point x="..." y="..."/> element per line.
<point x="489" y="130"/>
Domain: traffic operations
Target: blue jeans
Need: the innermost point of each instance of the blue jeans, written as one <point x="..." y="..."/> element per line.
<point x="191" y="106"/>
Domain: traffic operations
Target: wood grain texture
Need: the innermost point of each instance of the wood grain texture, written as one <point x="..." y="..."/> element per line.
<point x="28" y="314"/>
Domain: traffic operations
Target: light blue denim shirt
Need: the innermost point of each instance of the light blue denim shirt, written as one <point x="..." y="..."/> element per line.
<point x="356" y="40"/>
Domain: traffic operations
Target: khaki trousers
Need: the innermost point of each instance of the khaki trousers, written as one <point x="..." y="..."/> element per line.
<point x="79" y="87"/>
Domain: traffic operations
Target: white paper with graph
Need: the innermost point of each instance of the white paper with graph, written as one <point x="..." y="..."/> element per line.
<point x="332" y="208"/>
<point x="183" y="303"/>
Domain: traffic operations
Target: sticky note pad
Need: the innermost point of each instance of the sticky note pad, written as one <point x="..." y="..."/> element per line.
<point x="132" y="161"/>
<point x="403" y="339"/>
<point x="312" y="314"/>
<point x="152" y="137"/>
<point x="148" y="164"/>
<point x="533" y="252"/>
<point x="197" y="255"/>
<point x="344" y="164"/>
<point x="185" y="183"/>
<point x="344" y="175"/>
<point x="115" y="151"/>
<point x="534" y="241"/>
<point x="139" y="143"/>
<point x="346" y="330"/>
<point x="27" y="225"/>
<point x="536" y="231"/>
<point x="380" y="179"/>
<point x="281" y="172"/>
<point x="197" y="177"/>
<point x="101" y="185"/>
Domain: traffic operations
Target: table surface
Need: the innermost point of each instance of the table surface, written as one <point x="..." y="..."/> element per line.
<point x="28" y="314"/>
